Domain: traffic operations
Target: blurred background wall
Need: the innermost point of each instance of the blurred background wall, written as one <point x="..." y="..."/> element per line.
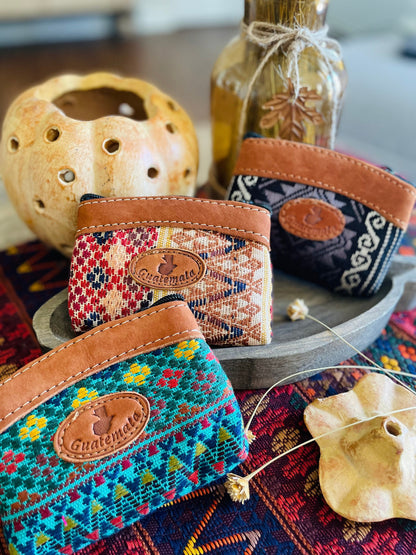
<point x="345" y="16"/>
<point x="31" y="21"/>
<point x="379" y="115"/>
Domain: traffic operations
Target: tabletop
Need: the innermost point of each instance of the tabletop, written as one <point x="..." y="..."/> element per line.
<point x="286" y="512"/>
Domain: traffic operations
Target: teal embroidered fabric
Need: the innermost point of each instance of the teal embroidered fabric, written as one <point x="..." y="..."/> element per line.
<point x="194" y="436"/>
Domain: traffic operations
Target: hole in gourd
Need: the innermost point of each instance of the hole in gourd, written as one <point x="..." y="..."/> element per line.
<point x="126" y="110"/>
<point x="171" y="128"/>
<point x="393" y="429"/>
<point x="13" y="144"/>
<point x="66" y="176"/>
<point x="152" y="172"/>
<point x="91" y="104"/>
<point x="187" y="172"/>
<point x="172" y="105"/>
<point x="52" y="134"/>
<point x="39" y="205"/>
<point x="111" y="146"/>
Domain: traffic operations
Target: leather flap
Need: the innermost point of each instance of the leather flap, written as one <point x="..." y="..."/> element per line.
<point x="87" y="354"/>
<point x="233" y="218"/>
<point x="373" y="187"/>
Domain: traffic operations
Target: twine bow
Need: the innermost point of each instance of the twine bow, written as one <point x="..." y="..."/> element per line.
<point x="291" y="41"/>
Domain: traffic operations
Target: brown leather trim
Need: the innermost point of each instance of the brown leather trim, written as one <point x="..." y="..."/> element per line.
<point x="288" y="161"/>
<point x="311" y="219"/>
<point x="112" y="342"/>
<point x="102" y="427"/>
<point x="167" y="268"/>
<point x="234" y="218"/>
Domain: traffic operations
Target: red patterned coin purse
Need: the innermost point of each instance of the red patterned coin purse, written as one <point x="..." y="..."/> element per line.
<point x="129" y="252"/>
<point x="108" y="427"/>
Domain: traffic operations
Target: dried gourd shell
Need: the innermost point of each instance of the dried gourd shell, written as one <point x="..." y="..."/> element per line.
<point x="367" y="472"/>
<point x="98" y="133"/>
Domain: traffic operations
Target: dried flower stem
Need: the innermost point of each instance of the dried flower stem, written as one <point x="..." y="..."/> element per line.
<point x="238" y="486"/>
<point x="326" y="434"/>
<point x="343" y="339"/>
<point x="322" y="369"/>
<point x="390" y="374"/>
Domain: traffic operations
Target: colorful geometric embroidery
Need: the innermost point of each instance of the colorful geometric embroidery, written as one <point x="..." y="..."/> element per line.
<point x="83" y="396"/>
<point x="186" y="349"/>
<point x="206" y="521"/>
<point x="137" y="374"/>
<point x="231" y="303"/>
<point x="194" y="436"/>
<point x="33" y="428"/>
<point x="10" y="461"/>
<point x="355" y="262"/>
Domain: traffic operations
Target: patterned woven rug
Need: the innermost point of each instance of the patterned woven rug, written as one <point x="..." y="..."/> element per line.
<point x="286" y="513"/>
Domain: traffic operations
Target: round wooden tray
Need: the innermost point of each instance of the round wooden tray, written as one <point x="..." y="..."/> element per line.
<point x="300" y="345"/>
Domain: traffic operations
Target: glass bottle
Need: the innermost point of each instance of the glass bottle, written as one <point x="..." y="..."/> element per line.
<point x="321" y="93"/>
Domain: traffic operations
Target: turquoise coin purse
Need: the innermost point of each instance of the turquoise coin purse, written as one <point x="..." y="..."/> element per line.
<point x="108" y="427"/>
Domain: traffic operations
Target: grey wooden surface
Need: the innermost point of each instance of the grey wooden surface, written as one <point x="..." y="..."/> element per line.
<point x="300" y="345"/>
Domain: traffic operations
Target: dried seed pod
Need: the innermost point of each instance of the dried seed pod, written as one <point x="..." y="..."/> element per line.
<point x="367" y="471"/>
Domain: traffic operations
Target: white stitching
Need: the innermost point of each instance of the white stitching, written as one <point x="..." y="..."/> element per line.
<point x="90" y="334"/>
<point x="95" y="365"/>
<point x="114" y="446"/>
<point x="334" y="154"/>
<point x="301" y="178"/>
<point x="148" y="222"/>
<point x="185" y="199"/>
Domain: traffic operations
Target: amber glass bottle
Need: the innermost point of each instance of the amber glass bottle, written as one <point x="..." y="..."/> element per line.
<point x="273" y="108"/>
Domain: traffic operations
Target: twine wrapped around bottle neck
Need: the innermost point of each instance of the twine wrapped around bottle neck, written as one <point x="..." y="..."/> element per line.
<point x="291" y="41"/>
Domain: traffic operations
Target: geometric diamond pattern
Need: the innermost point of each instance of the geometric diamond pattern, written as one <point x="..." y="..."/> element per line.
<point x="231" y="303"/>
<point x="50" y="505"/>
<point x="355" y="262"/>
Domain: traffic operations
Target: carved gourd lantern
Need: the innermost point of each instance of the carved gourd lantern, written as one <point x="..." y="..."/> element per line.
<point x="99" y="134"/>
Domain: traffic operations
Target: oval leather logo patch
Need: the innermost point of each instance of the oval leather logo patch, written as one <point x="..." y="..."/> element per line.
<point x="311" y="219"/>
<point x="167" y="268"/>
<point x="102" y="427"/>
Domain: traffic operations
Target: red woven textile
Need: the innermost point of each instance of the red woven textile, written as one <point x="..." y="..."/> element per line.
<point x="286" y="513"/>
